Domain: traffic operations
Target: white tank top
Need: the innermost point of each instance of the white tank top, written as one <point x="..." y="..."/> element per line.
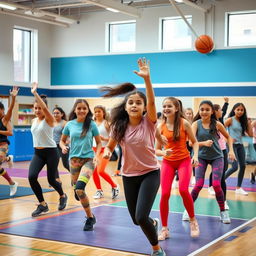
<point x="103" y="132"/>
<point x="42" y="134"/>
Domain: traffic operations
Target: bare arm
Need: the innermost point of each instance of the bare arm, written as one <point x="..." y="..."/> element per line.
<point x="109" y="148"/>
<point x="63" y="144"/>
<point x="221" y="128"/>
<point x="13" y="93"/>
<point x="249" y="129"/>
<point x="194" y="142"/>
<point x="98" y="149"/>
<point x="48" y="115"/>
<point x="8" y="132"/>
<point x="144" y="72"/>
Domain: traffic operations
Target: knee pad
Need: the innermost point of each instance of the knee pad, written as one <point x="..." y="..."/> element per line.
<point x="2" y="171"/>
<point x="80" y="185"/>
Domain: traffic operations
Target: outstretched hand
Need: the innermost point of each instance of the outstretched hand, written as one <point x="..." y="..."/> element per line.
<point x="14" y="91"/>
<point x="144" y="70"/>
<point x="34" y="87"/>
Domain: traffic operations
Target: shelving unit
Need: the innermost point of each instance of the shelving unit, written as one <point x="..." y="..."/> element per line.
<point x="23" y="114"/>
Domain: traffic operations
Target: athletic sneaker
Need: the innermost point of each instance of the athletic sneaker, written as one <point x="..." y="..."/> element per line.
<point x="40" y="210"/>
<point x="185" y="216"/>
<point x="194" y="229"/>
<point x="99" y="194"/>
<point x="211" y="191"/>
<point x="115" y="192"/>
<point x="252" y="180"/>
<point x="13" y="188"/>
<point x="156" y="225"/>
<point x="224" y="217"/>
<point x="89" y="223"/>
<point x="226" y="205"/>
<point x="10" y="161"/>
<point x="240" y="191"/>
<point x="164" y="234"/>
<point x="63" y="202"/>
<point x="158" y="253"/>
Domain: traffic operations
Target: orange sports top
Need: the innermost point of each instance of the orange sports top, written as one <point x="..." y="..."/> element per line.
<point x="179" y="148"/>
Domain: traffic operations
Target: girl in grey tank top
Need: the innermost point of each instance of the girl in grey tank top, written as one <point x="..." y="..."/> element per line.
<point x="206" y="129"/>
<point x="238" y="125"/>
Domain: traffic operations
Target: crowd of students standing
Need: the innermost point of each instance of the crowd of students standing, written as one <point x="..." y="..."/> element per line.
<point x="186" y="143"/>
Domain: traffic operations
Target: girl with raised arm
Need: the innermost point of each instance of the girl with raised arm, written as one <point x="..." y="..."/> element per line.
<point x="45" y="153"/>
<point x="6" y="130"/>
<point x="133" y="126"/>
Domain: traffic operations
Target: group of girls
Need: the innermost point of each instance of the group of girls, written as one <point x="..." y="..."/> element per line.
<point x="133" y="126"/>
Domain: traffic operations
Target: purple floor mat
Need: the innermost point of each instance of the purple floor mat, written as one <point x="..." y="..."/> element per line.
<point x="23" y="173"/>
<point x="115" y="230"/>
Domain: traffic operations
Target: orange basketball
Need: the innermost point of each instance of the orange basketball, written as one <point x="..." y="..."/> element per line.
<point x="204" y="44"/>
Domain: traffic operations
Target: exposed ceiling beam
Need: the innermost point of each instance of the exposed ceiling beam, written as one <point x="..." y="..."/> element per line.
<point x="126" y="9"/>
<point x="187" y="2"/>
<point x="39" y="15"/>
<point x="34" y="18"/>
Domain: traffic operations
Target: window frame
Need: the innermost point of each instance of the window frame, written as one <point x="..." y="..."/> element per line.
<point x="108" y="35"/>
<point x="227" y="21"/>
<point x="33" y="55"/>
<point x="161" y="32"/>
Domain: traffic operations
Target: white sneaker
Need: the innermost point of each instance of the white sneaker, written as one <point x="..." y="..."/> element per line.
<point x="98" y="194"/>
<point x="185" y="216"/>
<point x="10" y="161"/>
<point x="226" y="205"/>
<point x="240" y="191"/>
<point x="224" y="217"/>
<point x="211" y="191"/>
<point x="13" y="188"/>
<point x="115" y="192"/>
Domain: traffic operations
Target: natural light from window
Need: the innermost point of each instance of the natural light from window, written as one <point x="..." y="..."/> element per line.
<point x="122" y="37"/>
<point x="175" y="33"/>
<point x="241" y="29"/>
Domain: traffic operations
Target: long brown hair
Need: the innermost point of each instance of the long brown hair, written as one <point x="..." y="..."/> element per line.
<point x="88" y="119"/>
<point x="119" y="118"/>
<point x="177" y="119"/>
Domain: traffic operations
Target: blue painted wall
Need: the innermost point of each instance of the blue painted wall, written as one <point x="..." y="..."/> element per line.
<point x="231" y="65"/>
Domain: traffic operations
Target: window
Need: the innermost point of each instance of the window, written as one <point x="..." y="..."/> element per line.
<point x="121" y="36"/>
<point x="175" y="34"/>
<point x="25" y="55"/>
<point x="241" y="29"/>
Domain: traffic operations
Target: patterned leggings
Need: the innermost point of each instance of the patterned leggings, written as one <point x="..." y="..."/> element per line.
<point x="217" y="169"/>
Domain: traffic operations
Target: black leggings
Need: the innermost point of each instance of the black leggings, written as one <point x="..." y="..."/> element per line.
<point x="240" y="156"/>
<point x="50" y="157"/>
<point x="140" y="193"/>
<point x="64" y="159"/>
<point x="223" y="180"/>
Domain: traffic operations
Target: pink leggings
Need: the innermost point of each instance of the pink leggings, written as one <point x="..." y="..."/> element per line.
<point x="100" y="171"/>
<point x="167" y="175"/>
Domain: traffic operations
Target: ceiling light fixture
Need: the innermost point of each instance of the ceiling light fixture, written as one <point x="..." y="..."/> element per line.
<point x="112" y="10"/>
<point x="7" y="6"/>
<point x="65" y="20"/>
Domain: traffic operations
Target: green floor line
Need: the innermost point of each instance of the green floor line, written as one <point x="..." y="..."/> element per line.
<point x="208" y="206"/>
<point x="33" y="249"/>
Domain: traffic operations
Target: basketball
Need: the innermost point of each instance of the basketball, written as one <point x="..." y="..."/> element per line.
<point x="204" y="44"/>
